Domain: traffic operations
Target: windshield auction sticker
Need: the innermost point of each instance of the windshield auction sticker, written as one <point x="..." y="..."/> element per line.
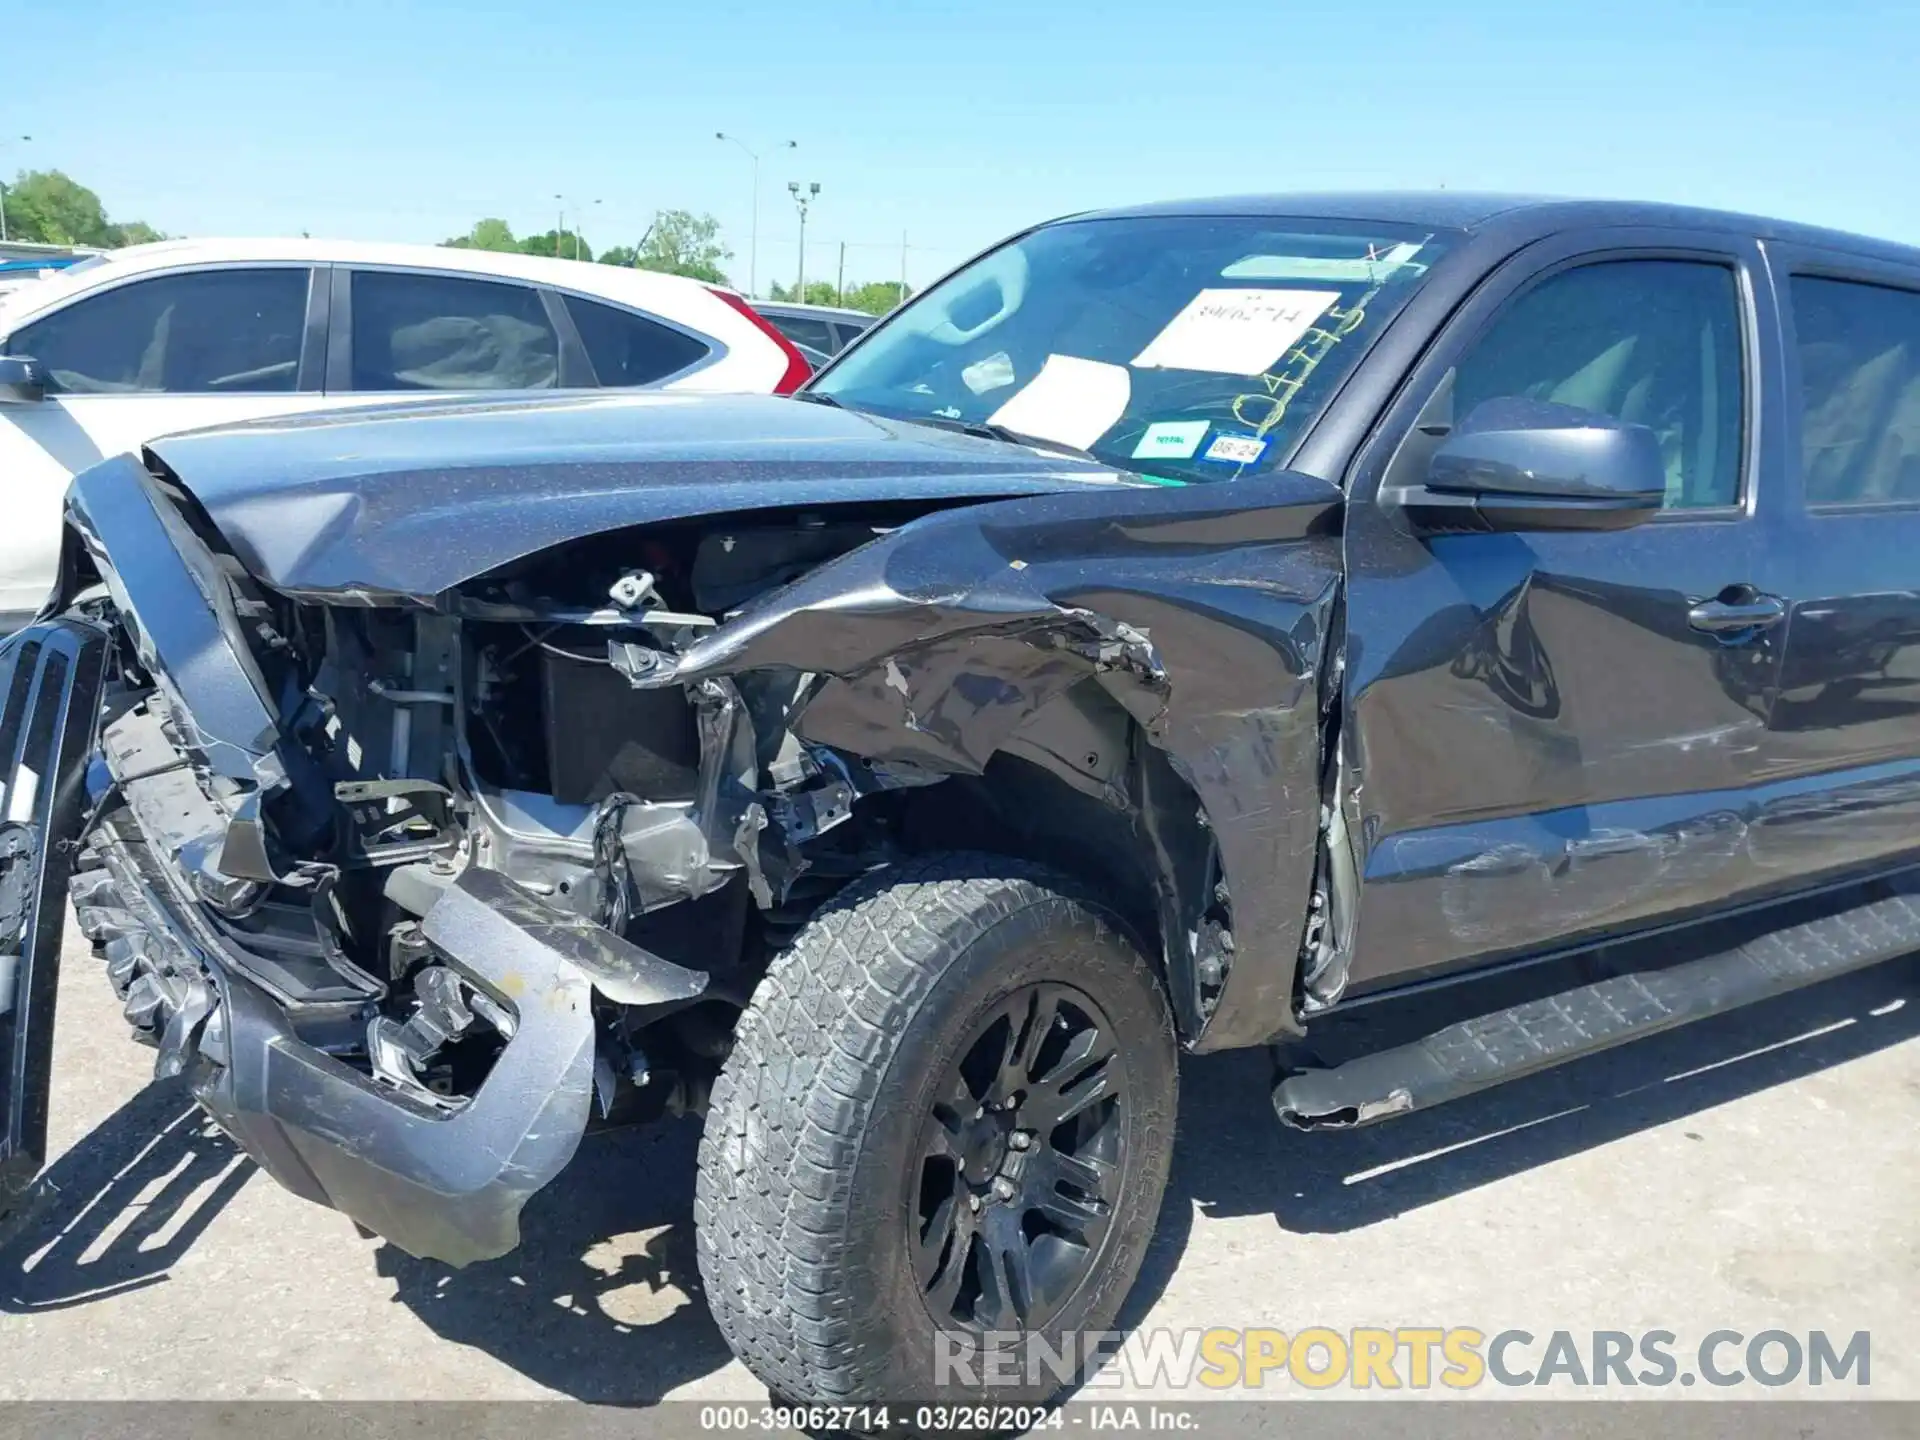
<point x="1071" y="400"/>
<point x="1235" y="332"/>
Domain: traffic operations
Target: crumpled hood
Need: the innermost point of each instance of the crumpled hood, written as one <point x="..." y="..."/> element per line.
<point x="406" y="502"/>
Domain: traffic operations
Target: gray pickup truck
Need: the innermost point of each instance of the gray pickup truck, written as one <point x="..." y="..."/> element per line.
<point x="1175" y="627"/>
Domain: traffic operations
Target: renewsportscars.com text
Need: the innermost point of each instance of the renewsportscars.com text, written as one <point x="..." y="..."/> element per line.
<point x="1405" y="1358"/>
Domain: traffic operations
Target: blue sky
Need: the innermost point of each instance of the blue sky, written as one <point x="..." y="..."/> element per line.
<point x="949" y="123"/>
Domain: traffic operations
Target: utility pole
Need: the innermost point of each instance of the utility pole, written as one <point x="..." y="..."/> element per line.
<point x="753" y="236"/>
<point x="903" y="269"/>
<point x="802" y="199"/>
<point x="840" y="280"/>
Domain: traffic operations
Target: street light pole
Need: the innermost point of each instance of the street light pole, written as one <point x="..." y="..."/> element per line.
<point x="579" y="214"/>
<point x="579" y="222"/>
<point x="801" y="199"/>
<point x="753" y="234"/>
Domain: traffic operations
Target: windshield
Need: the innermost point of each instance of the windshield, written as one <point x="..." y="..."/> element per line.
<point x="1188" y="348"/>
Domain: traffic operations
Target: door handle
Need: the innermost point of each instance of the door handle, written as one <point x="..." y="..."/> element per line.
<point x="1718" y="617"/>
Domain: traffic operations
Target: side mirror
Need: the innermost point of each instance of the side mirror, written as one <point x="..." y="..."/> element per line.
<point x="1536" y="465"/>
<point x="23" y="380"/>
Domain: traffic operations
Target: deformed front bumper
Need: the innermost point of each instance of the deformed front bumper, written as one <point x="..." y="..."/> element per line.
<point x="258" y="1041"/>
<point x="448" y="1185"/>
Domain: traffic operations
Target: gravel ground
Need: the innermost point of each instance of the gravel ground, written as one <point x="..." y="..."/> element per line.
<point x="1757" y="1171"/>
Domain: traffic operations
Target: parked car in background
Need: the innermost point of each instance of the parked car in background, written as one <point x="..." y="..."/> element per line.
<point x="816" y="358"/>
<point x="825" y="328"/>
<point x="183" y="334"/>
<point x="16" y="272"/>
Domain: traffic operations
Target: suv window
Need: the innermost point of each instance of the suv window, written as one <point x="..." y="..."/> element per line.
<point x="227" y="332"/>
<point x="445" y="332"/>
<point x="626" y="349"/>
<point x="1859" y="349"/>
<point x="1649" y="342"/>
<point x="807" y="330"/>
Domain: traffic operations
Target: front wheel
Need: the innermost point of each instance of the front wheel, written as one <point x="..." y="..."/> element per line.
<point x="945" y="1124"/>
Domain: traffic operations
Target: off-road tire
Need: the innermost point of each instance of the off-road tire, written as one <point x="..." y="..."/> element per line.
<point x="799" y="1207"/>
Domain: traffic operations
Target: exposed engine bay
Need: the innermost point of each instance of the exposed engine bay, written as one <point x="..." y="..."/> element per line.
<point x="510" y="737"/>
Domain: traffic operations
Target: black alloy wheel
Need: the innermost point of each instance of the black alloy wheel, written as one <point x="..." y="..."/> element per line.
<point x="1021" y="1162"/>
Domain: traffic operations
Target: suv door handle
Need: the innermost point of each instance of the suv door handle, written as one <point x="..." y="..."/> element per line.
<point x="1717" y="617"/>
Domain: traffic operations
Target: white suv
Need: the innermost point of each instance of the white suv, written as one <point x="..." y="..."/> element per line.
<point x="137" y="343"/>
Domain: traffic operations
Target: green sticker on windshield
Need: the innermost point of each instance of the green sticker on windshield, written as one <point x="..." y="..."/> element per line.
<point x="1170" y="440"/>
<point x="1159" y="479"/>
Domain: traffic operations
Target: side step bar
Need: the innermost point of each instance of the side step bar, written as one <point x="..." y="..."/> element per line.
<point x="1540" y="1034"/>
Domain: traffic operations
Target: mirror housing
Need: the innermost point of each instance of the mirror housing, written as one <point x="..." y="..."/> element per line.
<point x="1517" y="464"/>
<point x="23" y="380"/>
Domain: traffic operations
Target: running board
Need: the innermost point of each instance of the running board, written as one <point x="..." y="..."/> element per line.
<point x="1540" y="1034"/>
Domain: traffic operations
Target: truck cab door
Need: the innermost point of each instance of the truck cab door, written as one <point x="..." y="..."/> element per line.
<point x="1549" y="735"/>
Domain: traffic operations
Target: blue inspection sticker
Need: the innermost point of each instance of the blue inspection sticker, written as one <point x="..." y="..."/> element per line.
<point x="1235" y="450"/>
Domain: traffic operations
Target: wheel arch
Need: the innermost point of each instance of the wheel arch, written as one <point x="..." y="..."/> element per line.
<point x="1203" y="612"/>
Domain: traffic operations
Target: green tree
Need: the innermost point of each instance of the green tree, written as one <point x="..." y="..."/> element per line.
<point x="52" y="208"/>
<point x="876" y="297"/>
<point x="819" y="292"/>
<point x="560" y="243"/>
<point x="488" y="234"/>
<point x="682" y="243"/>
<point x="625" y="255"/>
<point x="136" y="232"/>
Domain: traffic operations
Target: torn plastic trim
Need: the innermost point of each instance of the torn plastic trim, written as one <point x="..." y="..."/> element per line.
<point x="174" y="812"/>
<point x="484" y="908"/>
<point x="1329" y="949"/>
<point x="188" y="833"/>
<point x="444" y="1183"/>
<point x="174" y="604"/>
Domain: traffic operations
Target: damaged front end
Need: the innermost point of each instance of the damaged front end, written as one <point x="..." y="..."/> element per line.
<point x="415" y="884"/>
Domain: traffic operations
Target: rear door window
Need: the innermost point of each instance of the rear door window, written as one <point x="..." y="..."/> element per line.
<point x="628" y="349"/>
<point x="1859" y="353"/>
<point x="447" y="332"/>
<point x="222" y="332"/>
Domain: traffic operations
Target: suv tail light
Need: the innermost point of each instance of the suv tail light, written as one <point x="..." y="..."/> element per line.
<point x="798" y="371"/>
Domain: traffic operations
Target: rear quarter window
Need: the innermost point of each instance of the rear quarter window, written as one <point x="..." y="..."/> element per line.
<point x="626" y="349"/>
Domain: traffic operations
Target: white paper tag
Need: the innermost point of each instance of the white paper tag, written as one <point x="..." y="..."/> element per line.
<point x="1171" y="440"/>
<point x="993" y="373"/>
<point x="1071" y="400"/>
<point x="1235" y="332"/>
